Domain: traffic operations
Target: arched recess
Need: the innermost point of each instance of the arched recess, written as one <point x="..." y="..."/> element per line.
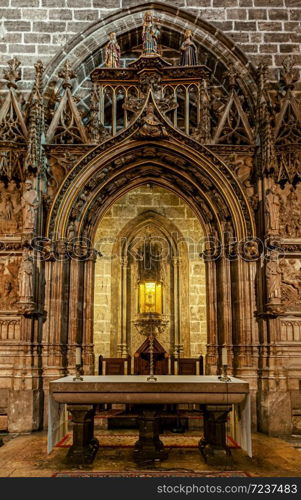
<point x="166" y="221"/>
<point x="216" y="50"/>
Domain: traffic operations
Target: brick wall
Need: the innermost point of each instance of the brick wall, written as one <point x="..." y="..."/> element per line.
<point x="31" y="29"/>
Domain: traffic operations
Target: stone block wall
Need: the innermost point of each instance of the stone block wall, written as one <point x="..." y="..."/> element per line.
<point x="266" y="30"/>
<point x="174" y="209"/>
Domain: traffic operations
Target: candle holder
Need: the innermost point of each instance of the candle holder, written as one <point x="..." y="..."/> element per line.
<point x="78" y="363"/>
<point x="224" y="377"/>
<point x="78" y="376"/>
<point x="150" y="324"/>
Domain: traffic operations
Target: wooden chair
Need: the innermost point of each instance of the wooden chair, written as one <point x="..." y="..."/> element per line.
<point x="187" y="366"/>
<point x="142" y="359"/>
<point x="114" y="366"/>
<point x="184" y="366"/>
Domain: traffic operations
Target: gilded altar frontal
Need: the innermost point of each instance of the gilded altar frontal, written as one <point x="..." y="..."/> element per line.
<point x="150" y="203"/>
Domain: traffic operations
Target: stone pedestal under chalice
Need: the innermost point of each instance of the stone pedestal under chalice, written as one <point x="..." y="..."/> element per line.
<point x="149" y="447"/>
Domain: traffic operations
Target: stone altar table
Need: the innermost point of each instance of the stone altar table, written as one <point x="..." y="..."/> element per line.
<point x="217" y="397"/>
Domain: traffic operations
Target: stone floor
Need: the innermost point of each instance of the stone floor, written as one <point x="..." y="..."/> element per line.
<point x="26" y="456"/>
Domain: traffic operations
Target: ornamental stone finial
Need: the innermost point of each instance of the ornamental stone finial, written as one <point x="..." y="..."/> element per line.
<point x="67" y="74"/>
<point x="13" y="73"/>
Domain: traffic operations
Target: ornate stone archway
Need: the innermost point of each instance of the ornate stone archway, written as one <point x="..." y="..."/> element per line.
<point x="208" y="186"/>
<point x="233" y="164"/>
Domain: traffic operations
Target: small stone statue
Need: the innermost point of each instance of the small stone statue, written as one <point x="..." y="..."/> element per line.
<point x="293" y="214"/>
<point x="25" y="278"/>
<point x="150" y="35"/>
<point x="272" y="210"/>
<point x="151" y="127"/>
<point x="112" y="52"/>
<point x="8" y="284"/>
<point x="71" y="231"/>
<point x="29" y="203"/>
<point x="273" y="275"/>
<point x="228" y="233"/>
<point x="189" y="51"/>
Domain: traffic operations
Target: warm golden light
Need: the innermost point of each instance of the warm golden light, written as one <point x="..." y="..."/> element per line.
<point x="150" y="297"/>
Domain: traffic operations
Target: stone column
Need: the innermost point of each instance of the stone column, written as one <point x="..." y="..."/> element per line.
<point x="75" y="334"/>
<point x="123" y="347"/>
<point x="245" y="329"/>
<point x="149" y="446"/>
<point x="25" y="398"/>
<point x="55" y="328"/>
<point x="178" y="345"/>
<point x="53" y="325"/>
<point x="224" y="306"/>
<point x="212" y="341"/>
<point x="88" y="315"/>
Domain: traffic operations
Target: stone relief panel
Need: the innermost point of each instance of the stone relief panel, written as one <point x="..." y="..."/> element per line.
<point x="290" y="213"/>
<point x="60" y="162"/>
<point x="291" y="282"/>
<point x="9" y="328"/>
<point x="9" y="290"/>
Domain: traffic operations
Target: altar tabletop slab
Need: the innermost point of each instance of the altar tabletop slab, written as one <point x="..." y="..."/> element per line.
<point x="167" y="388"/>
<point x="139" y="383"/>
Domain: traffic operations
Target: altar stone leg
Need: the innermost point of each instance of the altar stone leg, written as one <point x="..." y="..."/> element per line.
<point x="149" y="446"/>
<point x="214" y="444"/>
<point x="85" y="446"/>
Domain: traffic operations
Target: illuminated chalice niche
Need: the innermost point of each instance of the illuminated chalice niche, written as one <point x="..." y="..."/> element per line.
<point x="150" y="321"/>
<point x="150" y="297"/>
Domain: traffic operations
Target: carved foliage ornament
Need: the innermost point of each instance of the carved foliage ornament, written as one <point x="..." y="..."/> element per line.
<point x="9" y="296"/>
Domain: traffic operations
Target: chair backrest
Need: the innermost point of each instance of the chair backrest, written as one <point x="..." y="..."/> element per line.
<point x="142" y="366"/>
<point x="188" y="366"/>
<point x="142" y="359"/>
<point x="114" y="366"/>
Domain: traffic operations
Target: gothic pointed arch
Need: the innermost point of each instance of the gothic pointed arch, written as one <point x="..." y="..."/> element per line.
<point x="170" y="258"/>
